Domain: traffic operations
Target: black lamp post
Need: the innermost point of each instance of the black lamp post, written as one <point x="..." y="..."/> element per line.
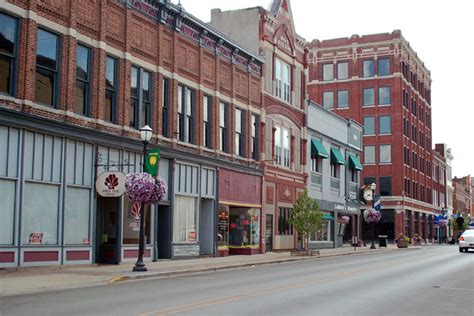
<point x="145" y="134"/>
<point x="372" y="187"/>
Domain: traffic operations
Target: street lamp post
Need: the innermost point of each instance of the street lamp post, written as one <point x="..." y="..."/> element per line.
<point x="145" y="134"/>
<point x="372" y="187"/>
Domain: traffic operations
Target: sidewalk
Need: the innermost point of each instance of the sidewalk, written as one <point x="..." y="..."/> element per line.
<point x="37" y="280"/>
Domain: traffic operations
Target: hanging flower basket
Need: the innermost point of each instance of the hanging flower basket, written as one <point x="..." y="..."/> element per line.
<point x="344" y="219"/>
<point x="143" y="188"/>
<point x="442" y="223"/>
<point x="372" y="216"/>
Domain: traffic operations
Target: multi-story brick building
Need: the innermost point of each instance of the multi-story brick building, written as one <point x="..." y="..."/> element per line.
<point x="462" y="195"/>
<point x="77" y="81"/>
<point x="271" y="33"/>
<point x="379" y="81"/>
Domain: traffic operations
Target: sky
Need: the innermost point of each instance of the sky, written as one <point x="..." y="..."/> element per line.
<point x="440" y="32"/>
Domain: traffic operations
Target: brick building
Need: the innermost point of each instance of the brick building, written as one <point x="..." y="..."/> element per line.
<point x="462" y="195"/>
<point x="379" y="81"/>
<point x="271" y="33"/>
<point x="77" y="81"/>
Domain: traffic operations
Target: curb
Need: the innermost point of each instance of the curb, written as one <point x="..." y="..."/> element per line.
<point x="158" y="275"/>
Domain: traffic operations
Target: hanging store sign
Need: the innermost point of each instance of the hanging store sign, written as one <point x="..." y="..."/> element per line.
<point x="110" y="184"/>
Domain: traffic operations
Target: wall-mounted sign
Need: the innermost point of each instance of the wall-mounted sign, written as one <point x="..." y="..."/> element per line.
<point x="110" y="184"/>
<point x="36" y="239"/>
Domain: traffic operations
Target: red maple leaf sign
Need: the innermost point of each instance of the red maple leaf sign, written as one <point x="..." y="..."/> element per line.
<point x="111" y="181"/>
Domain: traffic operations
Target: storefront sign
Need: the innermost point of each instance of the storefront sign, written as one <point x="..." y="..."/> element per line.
<point x="36" y="238"/>
<point x="110" y="184"/>
<point x="185" y="250"/>
<point x="151" y="162"/>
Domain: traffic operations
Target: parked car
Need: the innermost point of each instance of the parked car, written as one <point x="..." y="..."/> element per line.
<point x="466" y="241"/>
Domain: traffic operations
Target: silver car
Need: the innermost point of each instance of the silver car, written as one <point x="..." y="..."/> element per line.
<point x="466" y="241"/>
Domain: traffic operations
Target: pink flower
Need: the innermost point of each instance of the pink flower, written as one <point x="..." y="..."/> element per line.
<point x="143" y="188"/>
<point x="372" y="216"/>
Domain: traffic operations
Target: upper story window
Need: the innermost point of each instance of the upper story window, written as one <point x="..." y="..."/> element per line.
<point x="239" y="132"/>
<point x="368" y="69"/>
<point x="316" y="164"/>
<point x="223" y="122"/>
<point x="385" y="126"/>
<point x="328" y="72"/>
<point x="165" y="108"/>
<point x="255" y="136"/>
<point x="328" y="99"/>
<point x="384" y="66"/>
<point x="369" y="96"/>
<point x="8" y="53"/>
<point x="282" y="80"/>
<point x="186" y="109"/>
<point x="343" y="70"/>
<point x="385" y="153"/>
<point x="384" y="95"/>
<point x="47" y="68"/>
<point x="110" y="110"/>
<point x="385" y="186"/>
<point x="343" y="98"/>
<point x="369" y="125"/>
<point x="207" y="119"/>
<point x="140" y="98"/>
<point x="369" y="154"/>
<point x="83" y="62"/>
<point x="282" y="146"/>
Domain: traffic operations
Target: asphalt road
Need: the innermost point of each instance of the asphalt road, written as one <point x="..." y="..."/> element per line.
<point x="435" y="280"/>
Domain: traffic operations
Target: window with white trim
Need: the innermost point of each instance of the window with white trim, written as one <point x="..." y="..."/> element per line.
<point x="185" y="114"/>
<point x="239" y="135"/>
<point x="282" y="146"/>
<point x="282" y="80"/>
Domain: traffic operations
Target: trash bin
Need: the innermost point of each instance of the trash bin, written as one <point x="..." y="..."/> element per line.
<point x="383" y="240"/>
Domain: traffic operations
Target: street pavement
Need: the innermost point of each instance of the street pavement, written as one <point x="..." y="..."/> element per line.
<point x="434" y="280"/>
<point x="43" y="279"/>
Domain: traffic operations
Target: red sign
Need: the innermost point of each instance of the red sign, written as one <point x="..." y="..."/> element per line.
<point x="36" y="238"/>
<point x="136" y="211"/>
<point x="192" y="236"/>
<point x="86" y="241"/>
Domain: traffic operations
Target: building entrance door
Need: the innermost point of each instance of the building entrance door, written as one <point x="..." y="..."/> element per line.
<point x="108" y="241"/>
<point x="269" y="233"/>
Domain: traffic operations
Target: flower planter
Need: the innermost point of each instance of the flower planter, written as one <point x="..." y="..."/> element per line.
<point x="402" y="243"/>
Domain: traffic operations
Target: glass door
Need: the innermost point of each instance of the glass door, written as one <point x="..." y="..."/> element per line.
<point x="108" y="230"/>
<point x="269" y="233"/>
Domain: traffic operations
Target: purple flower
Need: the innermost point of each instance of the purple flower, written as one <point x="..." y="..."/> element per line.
<point x="143" y="188"/>
<point x="344" y="219"/>
<point x="442" y="223"/>
<point x="372" y="216"/>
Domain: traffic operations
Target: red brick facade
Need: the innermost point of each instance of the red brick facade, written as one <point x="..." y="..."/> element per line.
<point x="409" y="108"/>
<point x="134" y="36"/>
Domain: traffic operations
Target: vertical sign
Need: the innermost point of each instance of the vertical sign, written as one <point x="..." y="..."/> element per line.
<point x="151" y="162"/>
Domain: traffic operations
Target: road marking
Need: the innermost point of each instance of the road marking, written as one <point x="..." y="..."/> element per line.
<point x="232" y="298"/>
<point x="453" y="288"/>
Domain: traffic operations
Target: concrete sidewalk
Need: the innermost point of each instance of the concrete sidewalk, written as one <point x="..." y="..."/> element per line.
<point x="36" y="280"/>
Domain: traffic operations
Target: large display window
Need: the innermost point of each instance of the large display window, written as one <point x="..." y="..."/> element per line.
<point x="77" y="217"/>
<point x="244" y="227"/>
<point x="131" y="222"/>
<point x="323" y="234"/>
<point x="7" y="211"/>
<point x="40" y="214"/>
<point x="223" y="227"/>
<point x="184" y="219"/>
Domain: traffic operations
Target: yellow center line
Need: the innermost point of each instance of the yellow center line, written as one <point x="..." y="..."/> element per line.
<point x="232" y="298"/>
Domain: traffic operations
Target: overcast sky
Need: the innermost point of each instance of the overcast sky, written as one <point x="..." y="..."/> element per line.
<point x="442" y="33"/>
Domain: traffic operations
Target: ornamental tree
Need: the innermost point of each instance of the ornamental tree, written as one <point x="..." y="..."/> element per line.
<point x="306" y="217"/>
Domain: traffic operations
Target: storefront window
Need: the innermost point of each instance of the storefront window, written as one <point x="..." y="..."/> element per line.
<point x="131" y="222"/>
<point x="184" y="219"/>
<point x="76" y="226"/>
<point x="40" y="214"/>
<point x="323" y="234"/>
<point x="223" y="226"/>
<point x="7" y="211"/>
<point x="244" y="227"/>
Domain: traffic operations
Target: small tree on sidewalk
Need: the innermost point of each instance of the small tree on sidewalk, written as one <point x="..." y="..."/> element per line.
<point x="306" y="217"/>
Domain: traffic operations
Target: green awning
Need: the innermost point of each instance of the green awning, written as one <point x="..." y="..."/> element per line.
<point x="354" y="162"/>
<point x="337" y="157"/>
<point x="328" y="217"/>
<point x="317" y="149"/>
